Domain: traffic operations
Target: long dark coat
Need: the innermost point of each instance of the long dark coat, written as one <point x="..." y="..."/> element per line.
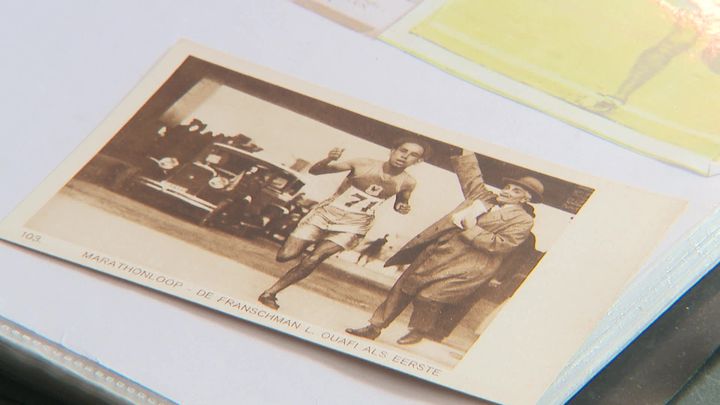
<point x="447" y="263"/>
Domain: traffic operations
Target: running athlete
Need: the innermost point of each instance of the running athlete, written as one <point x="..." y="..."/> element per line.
<point x="341" y="221"/>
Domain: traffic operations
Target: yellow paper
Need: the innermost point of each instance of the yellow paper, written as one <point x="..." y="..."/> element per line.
<point x="633" y="71"/>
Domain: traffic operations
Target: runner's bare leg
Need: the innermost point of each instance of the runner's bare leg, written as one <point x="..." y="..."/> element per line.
<point x="307" y="265"/>
<point x="292" y="248"/>
<point x="647" y="65"/>
<point x="654" y="59"/>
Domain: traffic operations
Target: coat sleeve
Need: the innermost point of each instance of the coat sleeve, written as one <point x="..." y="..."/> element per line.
<point x="502" y="241"/>
<point x="471" y="179"/>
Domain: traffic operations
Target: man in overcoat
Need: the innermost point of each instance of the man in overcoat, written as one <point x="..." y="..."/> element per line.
<point x="456" y="255"/>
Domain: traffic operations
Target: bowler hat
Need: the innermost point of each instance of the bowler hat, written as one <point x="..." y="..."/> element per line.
<point x="531" y="185"/>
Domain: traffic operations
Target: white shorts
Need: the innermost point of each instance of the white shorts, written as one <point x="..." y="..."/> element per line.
<point x="330" y="223"/>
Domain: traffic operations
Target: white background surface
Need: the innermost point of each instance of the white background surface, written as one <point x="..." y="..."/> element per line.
<point x="67" y="64"/>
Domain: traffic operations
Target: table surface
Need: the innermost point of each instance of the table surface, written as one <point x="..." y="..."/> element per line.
<point x="69" y="63"/>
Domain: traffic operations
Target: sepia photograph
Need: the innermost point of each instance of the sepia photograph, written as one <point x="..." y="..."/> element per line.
<point x="274" y="201"/>
<point x="315" y="211"/>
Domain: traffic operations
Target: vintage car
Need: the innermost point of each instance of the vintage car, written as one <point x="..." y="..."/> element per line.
<point x="228" y="187"/>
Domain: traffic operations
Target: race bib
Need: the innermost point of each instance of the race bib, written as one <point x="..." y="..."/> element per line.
<point x="355" y="200"/>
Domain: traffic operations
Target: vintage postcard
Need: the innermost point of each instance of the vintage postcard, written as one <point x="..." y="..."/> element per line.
<point x="642" y="73"/>
<point x="284" y="204"/>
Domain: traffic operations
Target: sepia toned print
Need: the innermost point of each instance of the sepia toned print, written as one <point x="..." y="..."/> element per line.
<point x="295" y="180"/>
<point x="281" y="204"/>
